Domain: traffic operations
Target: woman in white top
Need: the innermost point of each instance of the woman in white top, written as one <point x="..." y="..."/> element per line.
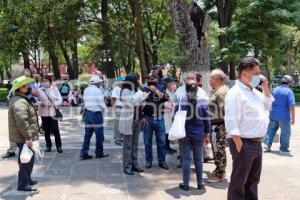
<point x="130" y="122"/>
<point x="50" y="99"/>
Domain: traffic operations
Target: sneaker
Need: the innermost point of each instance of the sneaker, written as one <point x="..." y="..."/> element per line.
<point x="148" y="165"/>
<point x="164" y="166"/>
<point x="59" y="150"/>
<point x="267" y="148"/>
<point x="287" y="152"/>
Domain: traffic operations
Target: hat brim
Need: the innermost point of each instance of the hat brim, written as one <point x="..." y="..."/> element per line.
<point x="22" y="83"/>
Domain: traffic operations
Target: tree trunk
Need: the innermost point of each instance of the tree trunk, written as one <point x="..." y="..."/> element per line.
<point x="67" y="59"/>
<point x="54" y="61"/>
<point x="109" y="67"/>
<point x="225" y="11"/>
<point x="75" y="63"/>
<point x="26" y="60"/>
<point x="196" y="54"/>
<point x="138" y="28"/>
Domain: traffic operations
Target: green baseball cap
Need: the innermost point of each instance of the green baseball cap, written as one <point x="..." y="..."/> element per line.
<point x="21" y="81"/>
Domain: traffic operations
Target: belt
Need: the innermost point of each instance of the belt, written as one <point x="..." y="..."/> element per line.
<point x="119" y="107"/>
<point x="252" y="139"/>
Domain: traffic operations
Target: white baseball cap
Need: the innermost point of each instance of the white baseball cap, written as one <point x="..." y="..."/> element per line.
<point x="95" y="79"/>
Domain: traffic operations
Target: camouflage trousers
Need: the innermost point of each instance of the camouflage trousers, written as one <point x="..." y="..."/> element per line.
<point x="219" y="150"/>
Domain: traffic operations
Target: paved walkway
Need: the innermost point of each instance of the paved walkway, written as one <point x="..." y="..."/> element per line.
<point x="64" y="176"/>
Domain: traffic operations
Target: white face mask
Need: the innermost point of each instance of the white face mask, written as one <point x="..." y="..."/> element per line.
<point x="255" y="81"/>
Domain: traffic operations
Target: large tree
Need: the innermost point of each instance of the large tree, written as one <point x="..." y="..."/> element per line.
<point x="192" y="36"/>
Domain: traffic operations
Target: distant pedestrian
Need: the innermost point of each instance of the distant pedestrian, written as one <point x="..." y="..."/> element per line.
<point x="94" y="111"/>
<point x="282" y="115"/>
<point x="117" y="107"/>
<point x="23" y="129"/>
<point x="64" y="90"/>
<point x="197" y="128"/>
<point x="218" y="134"/>
<point x="49" y="100"/>
<point x="130" y="122"/>
<point x="246" y="124"/>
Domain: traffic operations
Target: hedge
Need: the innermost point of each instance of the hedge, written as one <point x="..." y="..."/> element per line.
<point x="297" y="97"/>
<point x="3" y="94"/>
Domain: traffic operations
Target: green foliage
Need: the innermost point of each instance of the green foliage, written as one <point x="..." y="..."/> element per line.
<point x="3" y="94"/>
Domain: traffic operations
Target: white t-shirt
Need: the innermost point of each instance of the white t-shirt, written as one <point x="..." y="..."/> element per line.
<point x="116" y="93"/>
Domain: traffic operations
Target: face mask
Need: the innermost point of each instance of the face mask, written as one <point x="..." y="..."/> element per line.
<point x="151" y="84"/>
<point x="173" y="87"/>
<point x="255" y="81"/>
<point x="46" y="85"/>
<point x="28" y="91"/>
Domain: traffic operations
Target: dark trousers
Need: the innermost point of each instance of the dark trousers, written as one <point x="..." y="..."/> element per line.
<point x="50" y="125"/>
<point x="196" y="146"/>
<point x="131" y="147"/>
<point x="25" y="170"/>
<point x="93" y="123"/>
<point x="246" y="170"/>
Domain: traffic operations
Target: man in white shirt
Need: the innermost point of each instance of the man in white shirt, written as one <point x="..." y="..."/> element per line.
<point x="117" y="105"/>
<point x="246" y="121"/>
<point x="94" y="109"/>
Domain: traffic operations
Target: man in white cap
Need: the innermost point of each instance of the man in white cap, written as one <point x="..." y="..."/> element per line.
<point x="94" y="108"/>
<point x="282" y="115"/>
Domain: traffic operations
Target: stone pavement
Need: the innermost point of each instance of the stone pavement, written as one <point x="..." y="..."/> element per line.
<point x="64" y="176"/>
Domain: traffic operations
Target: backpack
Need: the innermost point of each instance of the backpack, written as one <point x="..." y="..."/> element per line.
<point x="64" y="89"/>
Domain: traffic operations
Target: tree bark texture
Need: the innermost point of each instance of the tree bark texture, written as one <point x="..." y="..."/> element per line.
<point x="138" y="28"/>
<point x="196" y="54"/>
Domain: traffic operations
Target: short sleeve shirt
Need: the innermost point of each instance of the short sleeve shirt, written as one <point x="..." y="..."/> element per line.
<point x="284" y="100"/>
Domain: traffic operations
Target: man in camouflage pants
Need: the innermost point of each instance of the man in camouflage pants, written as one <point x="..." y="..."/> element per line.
<point x="218" y="135"/>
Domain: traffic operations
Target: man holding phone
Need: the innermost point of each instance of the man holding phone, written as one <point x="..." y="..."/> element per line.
<point x="246" y="123"/>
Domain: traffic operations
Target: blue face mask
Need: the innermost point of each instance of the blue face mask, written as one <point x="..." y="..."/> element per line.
<point x="255" y="81"/>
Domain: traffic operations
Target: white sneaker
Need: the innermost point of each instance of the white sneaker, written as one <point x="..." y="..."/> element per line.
<point x="267" y="148"/>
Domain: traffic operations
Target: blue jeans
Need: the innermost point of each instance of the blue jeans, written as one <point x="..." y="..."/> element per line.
<point x="157" y="126"/>
<point x="93" y="123"/>
<point x="284" y="135"/>
<point x="189" y="144"/>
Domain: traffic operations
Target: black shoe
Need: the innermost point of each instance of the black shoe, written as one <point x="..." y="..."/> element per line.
<point x="206" y="160"/>
<point x="130" y="173"/>
<point x="32" y="183"/>
<point x="119" y="143"/>
<point x="102" y="156"/>
<point x="148" y="165"/>
<point x="59" y="150"/>
<point x="184" y="187"/>
<point x="179" y="165"/>
<point x="172" y="150"/>
<point x="48" y="149"/>
<point x="9" y="155"/>
<point x="27" y="189"/>
<point x="86" y="157"/>
<point x="201" y="187"/>
<point x="164" y="166"/>
<point x="169" y="151"/>
<point x="137" y="169"/>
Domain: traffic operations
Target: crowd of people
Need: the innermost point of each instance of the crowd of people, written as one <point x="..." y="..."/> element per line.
<point x="238" y="117"/>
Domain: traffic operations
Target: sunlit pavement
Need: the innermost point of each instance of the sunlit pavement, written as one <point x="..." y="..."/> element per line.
<point x="64" y="176"/>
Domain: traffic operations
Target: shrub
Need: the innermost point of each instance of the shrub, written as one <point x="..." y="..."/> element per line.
<point x="3" y="94"/>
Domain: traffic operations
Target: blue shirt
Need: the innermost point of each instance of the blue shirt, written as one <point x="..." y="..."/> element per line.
<point x="198" y="125"/>
<point x="284" y="100"/>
